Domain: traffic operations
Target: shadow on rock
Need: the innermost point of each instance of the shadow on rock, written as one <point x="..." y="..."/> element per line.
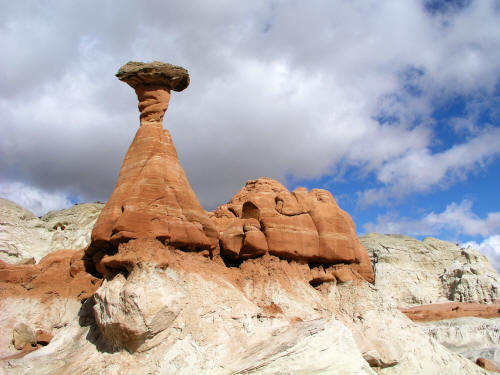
<point x="94" y="336"/>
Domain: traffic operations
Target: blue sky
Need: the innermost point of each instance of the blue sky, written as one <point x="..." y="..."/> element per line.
<point x="393" y="106"/>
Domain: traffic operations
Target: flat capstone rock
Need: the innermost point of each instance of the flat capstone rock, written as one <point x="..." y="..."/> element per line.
<point x="156" y="73"/>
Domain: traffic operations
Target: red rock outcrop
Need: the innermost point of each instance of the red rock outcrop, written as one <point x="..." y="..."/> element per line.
<point x="487" y="365"/>
<point x="152" y="197"/>
<point x="59" y="274"/>
<point x="153" y="200"/>
<point x="302" y="226"/>
<point x="440" y="311"/>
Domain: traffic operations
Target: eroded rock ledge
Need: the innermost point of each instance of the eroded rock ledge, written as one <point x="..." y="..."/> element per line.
<point x="452" y="310"/>
<point x="59" y="274"/>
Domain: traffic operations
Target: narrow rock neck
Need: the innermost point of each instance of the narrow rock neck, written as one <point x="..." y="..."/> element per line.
<point x="153" y="102"/>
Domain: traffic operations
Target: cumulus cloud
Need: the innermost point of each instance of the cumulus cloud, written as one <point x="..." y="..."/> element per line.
<point x="420" y="170"/>
<point x="489" y="247"/>
<point x="457" y="218"/>
<point x="38" y="201"/>
<point x="268" y="96"/>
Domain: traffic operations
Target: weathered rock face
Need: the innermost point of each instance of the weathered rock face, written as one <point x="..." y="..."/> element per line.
<point x="59" y="274"/>
<point x="24" y="236"/>
<point x="469" y="337"/>
<point x="303" y="226"/>
<point x="411" y="272"/>
<point x="193" y="315"/>
<point x="152" y="198"/>
<point x="446" y="288"/>
<point x="168" y="76"/>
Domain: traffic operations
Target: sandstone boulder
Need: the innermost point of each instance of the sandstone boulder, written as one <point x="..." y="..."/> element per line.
<point x="300" y="225"/>
<point x="23" y="335"/>
<point x="152" y="198"/>
<point x="487" y="365"/>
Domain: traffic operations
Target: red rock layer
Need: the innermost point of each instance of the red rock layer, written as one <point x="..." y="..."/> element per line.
<point x="59" y="274"/>
<point x="440" y="311"/>
<point x="264" y="217"/>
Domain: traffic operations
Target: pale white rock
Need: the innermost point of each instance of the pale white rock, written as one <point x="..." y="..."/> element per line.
<point x="50" y="317"/>
<point x="385" y="333"/>
<point x="24" y="236"/>
<point x="77" y="221"/>
<point x="470" y="337"/>
<point x="130" y="311"/>
<point x="185" y="322"/>
<point x="323" y="346"/>
<point x="411" y="272"/>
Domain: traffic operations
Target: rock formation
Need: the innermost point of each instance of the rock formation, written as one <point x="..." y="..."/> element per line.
<point x="59" y="274"/>
<point x="23" y="335"/>
<point x="272" y="282"/>
<point x="25" y="237"/>
<point x="152" y="198"/>
<point x="471" y="337"/>
<point x="302" y="226"/>
<point x="452" y="310"/>
<point x="452" y="292"/>
<point x="411" y="272"/>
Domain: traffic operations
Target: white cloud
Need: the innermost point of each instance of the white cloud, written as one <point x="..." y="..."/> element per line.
<point x="35" y="200"/>
<point x="489" y="247"/>
<point x="458" y="218"/>
<point x="420" y="170"/>
<point x="269" y="95"/>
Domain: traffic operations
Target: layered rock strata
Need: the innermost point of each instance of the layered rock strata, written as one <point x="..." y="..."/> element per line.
<point x="59" y="274"/>
<point x="470" y="337"/>
<point x="25" y="237"/>
<point x="412" y="272"/>
<point x="152" y="197"/>
<point x="452" y="310"/>
<point x="264" y="217"/>
<point x="451" y="291"/>
<point x="191" y="315"/>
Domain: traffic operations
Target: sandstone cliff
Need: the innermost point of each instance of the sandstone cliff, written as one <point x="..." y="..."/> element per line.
<point x="411" y="272"/>
<point x="454" y="292"/>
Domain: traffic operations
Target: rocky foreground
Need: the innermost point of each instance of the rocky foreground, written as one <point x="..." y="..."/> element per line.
<point x="273" y="282"/>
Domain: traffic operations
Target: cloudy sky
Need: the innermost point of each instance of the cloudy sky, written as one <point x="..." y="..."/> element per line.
<point x="393" y="106"/>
